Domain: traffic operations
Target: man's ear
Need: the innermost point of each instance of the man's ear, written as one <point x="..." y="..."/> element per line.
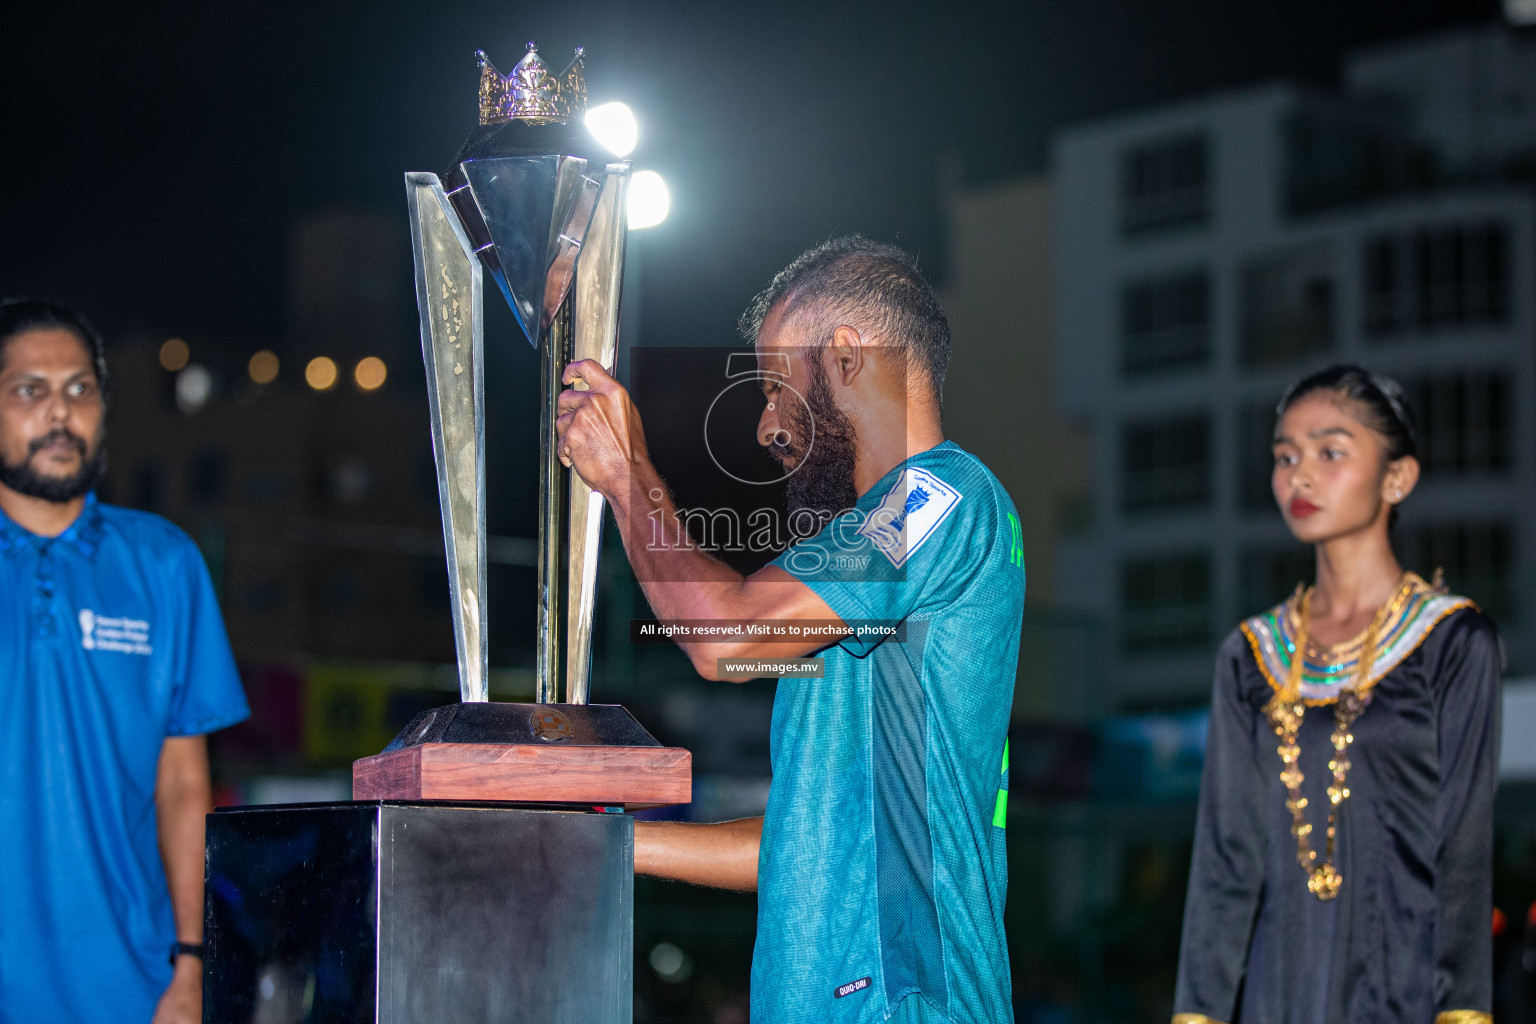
<point x="847" y="355"/>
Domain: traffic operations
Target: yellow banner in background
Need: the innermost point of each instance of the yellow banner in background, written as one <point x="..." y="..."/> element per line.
<point x="353" y="709"/>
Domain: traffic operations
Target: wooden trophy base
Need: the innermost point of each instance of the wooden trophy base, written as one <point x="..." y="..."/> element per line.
<point x="594" y="754"/>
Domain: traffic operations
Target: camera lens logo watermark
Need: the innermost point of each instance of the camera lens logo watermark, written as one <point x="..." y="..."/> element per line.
<point x="747" y="373"/>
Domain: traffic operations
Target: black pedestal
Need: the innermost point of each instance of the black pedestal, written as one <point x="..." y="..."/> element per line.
<point x="405" y="913"/>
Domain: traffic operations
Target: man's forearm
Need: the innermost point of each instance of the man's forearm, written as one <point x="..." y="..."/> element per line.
<point x="601" y="439"/>
<point x="723" y="855"/>
<point x="183" y="798"/>
<point x="679" y="579"/>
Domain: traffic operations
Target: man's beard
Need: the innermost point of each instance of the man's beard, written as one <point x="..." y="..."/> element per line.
<point x="822" y="481"/>
<point x="23" y="479"/>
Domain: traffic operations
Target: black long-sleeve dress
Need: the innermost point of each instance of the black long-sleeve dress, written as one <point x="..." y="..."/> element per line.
<point x="1407" y="938"/>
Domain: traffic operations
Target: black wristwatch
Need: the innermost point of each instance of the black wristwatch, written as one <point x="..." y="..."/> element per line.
<point x="187" y="948"/>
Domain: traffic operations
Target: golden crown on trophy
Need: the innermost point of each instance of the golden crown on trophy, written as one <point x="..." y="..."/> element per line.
<point x="530" y="93"/>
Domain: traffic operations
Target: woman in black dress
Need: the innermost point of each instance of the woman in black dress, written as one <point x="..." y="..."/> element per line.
<point x="1342" y="865"/>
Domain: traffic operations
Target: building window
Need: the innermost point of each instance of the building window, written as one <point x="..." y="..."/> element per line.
<point x="1165" y="184"/>
<point x="1165" y="322"/>
<point x="1384" y="287"/>
<point x="1165" y="604"/>
<point x="1336" y="158"/>
<point x="1447" y="276"/>
<point x="1268" y="575"/>
<point x="1465" y="423"/>
<point x="1461" y="275"/>
<point x="1287" y="307"/>
<point x="1165" y="464"/>
<point x="1256" y="459"/>
<point x="1477" y="559"/>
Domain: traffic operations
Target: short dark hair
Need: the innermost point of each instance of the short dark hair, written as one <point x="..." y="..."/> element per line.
<point x="866" y="285"/>
<point x="17" y="316"/>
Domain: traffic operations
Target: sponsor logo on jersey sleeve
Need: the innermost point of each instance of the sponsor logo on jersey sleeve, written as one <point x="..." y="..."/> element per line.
<point x="909" y="514"/>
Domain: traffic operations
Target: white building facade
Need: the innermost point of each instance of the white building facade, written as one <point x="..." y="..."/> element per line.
<point x="1212" y="252"/>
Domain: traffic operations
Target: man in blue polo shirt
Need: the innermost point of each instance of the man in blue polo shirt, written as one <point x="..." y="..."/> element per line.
<point x="115" y="666"/>
<point x="880" y="865"/>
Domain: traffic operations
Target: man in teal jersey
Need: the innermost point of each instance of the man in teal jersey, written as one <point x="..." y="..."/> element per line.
<point x="880" y="865"/>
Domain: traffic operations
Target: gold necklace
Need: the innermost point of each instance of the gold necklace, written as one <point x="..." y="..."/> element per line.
<point x="1285" y="711"/>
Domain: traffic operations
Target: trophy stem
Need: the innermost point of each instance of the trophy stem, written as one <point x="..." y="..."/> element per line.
<point x="595" y="306"/>
<point x="554" y="352"/>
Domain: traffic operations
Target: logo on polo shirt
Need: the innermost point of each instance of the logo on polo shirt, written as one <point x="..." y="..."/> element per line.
<point x="105" y="633"/>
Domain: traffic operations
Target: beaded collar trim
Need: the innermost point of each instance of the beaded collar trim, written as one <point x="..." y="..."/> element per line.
<point x="1326" y="672"/>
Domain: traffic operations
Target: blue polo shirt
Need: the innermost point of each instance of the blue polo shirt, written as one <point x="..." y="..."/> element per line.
<point x="110" y="641"/>
<point x="883" y="869"/>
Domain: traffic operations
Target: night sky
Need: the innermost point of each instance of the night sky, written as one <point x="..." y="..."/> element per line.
<point x="158" y="155"/>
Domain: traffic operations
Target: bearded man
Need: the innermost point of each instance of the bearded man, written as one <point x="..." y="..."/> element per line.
<point x="880" y="864"/>
<point x="116" y="665"/>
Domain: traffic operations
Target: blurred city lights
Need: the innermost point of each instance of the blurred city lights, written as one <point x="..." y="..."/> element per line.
<point x="174" y="354"/>
<point x="263" y="366"/>
<point x="194" y="386"/>
<point x="649" y="200"/>
<point x="614" y="126"/>
<point x="370" y="373"/>
<point x="670" y="963"/>
<point x="320" y="374"/>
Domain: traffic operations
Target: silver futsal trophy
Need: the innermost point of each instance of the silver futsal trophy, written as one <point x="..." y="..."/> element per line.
<point x="551" y="232"/>
<point x="549" y="227"/>
<point x="456" y="887"/>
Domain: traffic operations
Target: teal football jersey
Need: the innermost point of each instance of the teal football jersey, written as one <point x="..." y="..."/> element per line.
<point x="882" y="871"/>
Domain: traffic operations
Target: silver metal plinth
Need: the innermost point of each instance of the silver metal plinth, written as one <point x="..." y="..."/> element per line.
<point x="405" y="913"/>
